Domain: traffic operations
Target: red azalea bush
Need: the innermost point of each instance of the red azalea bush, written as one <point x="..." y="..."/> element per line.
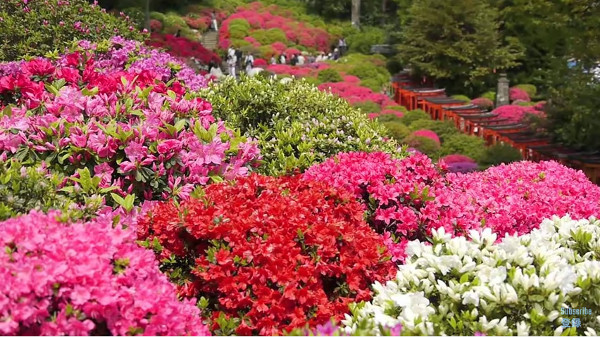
<point x="408" y="198"/>
<point x="518" y="94"/>
<point x="182" y="47"/>
<point x="427" y="134"/>
<point x="282" y="252"/>
<point x="85" y="279"/>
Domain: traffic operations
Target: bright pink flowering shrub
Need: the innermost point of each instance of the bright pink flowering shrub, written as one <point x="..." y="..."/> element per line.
<point x="515" y="113"/>
<point x="518" y="94"/>
<point x="408" y="198"/>
<point x="457" y="158"/>
<point x="427" y="134"/>
<point x="354" y="93"/>
<point x="260" y="62"/>
<point x="125" y="115"/>
<point x="85" y="279"/>
<point x="351" y="79"/>
<point x="483" y="102"/>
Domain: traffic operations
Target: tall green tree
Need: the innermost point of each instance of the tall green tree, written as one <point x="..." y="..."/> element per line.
<point x="457" y="43"/>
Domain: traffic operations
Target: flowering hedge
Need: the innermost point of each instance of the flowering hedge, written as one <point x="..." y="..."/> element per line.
<point x="182" y="47"/>
<point x="521" y="286"/>
<point x="33" y="28"/>
<point x="85" y="279"/>
<point x="406" y="199"/>
<point x="118" y="112"/>
<point x="282" y="251"/>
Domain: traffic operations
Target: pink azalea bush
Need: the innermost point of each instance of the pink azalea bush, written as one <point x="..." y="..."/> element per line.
<point x="407" y="198"/>
<point x="354" y="93"/>
<point x="515" y="113"/>
<point x="518" y="94"/>
<point x="85" y="279"/>
<point x="130" y="114"/>
<point x="483" y="102"/>
<point x="427" y="134"/>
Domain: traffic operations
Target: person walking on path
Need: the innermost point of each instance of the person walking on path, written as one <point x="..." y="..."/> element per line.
<point x="282" y="59"/>
<point x="214" y="21"/>
<point x="273" y="60"/>
<point x="249" y="62"/>
<point x="231" y="61"/>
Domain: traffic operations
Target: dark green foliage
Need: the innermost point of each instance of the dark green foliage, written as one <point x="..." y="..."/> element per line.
<point x="498" y="154"/>
<point x="455" y="42"/>
<point x="329" y="75"/>
<point x="396" y="130"/>
<point x="362" y="41"/>
<point x="414" y="115"/>
<point x="389" y="118"/>
<point x="23" y="33"/>
<point x="470" y="146"/>
<point x="372" y="76"/>
<point x="444" y="129"/>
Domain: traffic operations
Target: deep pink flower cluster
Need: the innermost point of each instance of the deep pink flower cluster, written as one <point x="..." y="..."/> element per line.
<point x="515" y="113"/>
<point x="427" y="134"/>
<point x="354" y="93"/>
<point x="285" y="69"/>
<point x="408" y="198"/>
<point x="126" y="114"/>
<point x="183" y="48"/>
<point x="85" y="279"/>
<point x="483" y="102"/>
<point x="518" y="94"/>
<point x="268" y="17"/>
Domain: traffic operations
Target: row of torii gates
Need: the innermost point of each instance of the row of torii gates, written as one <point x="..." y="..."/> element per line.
<point x="473" y="120"/>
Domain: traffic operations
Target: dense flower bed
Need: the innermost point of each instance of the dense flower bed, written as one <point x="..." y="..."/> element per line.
<point x="518" y="287"/>
<point x="122" y="111"/>
<point x="182" y="47"/>
<point x="283" y="251"/>
<point x="408" y="198"/>
<point x="85" y="279"/>
<point x="267" y="29"/>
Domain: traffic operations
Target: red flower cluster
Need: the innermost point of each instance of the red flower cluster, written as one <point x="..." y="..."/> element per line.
<point x="182" y="47"/>
<point x="282" y="251"/>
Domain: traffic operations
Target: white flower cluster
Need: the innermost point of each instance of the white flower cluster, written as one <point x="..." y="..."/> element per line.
<point x="457" y="286"/>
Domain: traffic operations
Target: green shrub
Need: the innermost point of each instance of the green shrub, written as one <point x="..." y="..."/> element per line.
<point x="374" y="75"/>
<point x="269" y="36"/>
<point x="523" y="103"/>
<point x="394" y="65"/>
<point x="396" y="129"/>
<point x="296" y="124"/>
<point x="389" y="118"/>
<point x="530" y="89"/>
<point x="396" y="107"/>
<point x="414" y="115"/>
<point x="443" y="129"/>
<point x="329" y="75"/>
<point x="239" y="43"/>
<point x="22" y="33"/>
<point x="173" y="22"/>
<point x="23" y="189"/>
<point x="361" y="41"/>
<point x="491" y="95"/>
<point x="266" y="52"/>
<point x="498" y="154"/>
<point x="138" y="18"/>
<point x="312" y="80"/>
<point x="238" y="29"/>
<point x="424" y="145"/>
<point x="372" y="84"/>
<point x="462" y="98"/>
<point x="157" y="16"/>
<point x="367" y="107"/>
<point x="470" y="146"/>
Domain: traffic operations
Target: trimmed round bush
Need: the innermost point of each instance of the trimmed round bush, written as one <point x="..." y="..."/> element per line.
<point x="397" y="130"/>
<point x="415" y="115"/>
<point x="371" y="83"/>
<point x="491" y="95"/>
<point x="296" y="124"/>
<point x="329" y="75"/>
<point x="33" y="28"/>
<point x="521" y="286"/>
<point x="443" y="129"/>
<point x="300" y="252"/>
<point x="425" y="145"/>
<point x="470" y="146"/>
<point x="85" y="279"/>
<point x="462" y="98"/>
<point x="483" y="103"/>
<point x="517" y="94"/>
<point x="269" y="36"/>
<point x="368" y="107"/>
<point x="500" y="154"/>
<point x="530" y="89"/>
<point x="427" y="134"/>
<point x="238" y="29"/>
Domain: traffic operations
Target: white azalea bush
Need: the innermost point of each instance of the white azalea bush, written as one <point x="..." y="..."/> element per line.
<point x="456" y="286"/>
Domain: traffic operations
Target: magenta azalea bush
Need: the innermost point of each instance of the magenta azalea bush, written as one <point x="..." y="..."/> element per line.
<point x="518" y="94"/>
<point x="354" y="93"/>
<point x="125" y="113"/>
<point x="482" y="102"/>
<point x="458" y="163"/>
<point x="85" y="279"/>
<point x="427" y="134"/>
<point x="515" y="113"/>
<point x="408" y="198"/>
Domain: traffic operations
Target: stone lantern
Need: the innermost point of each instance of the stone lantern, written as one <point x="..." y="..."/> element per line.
<point x="502" y="96"/>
